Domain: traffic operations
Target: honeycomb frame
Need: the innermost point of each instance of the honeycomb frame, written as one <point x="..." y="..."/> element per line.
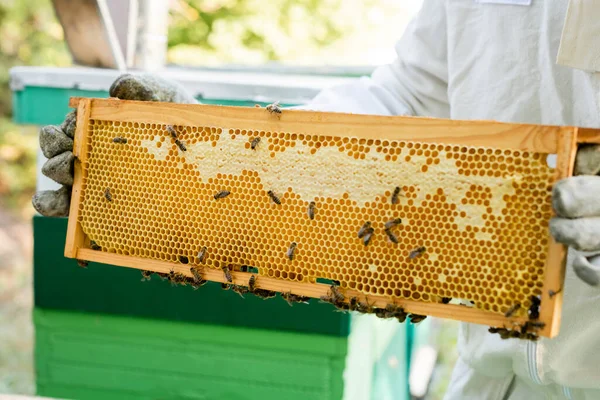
<point x="470" y="167"/>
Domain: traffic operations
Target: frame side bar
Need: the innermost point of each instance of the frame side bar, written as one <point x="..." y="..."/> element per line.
<point x="75" y="236"/>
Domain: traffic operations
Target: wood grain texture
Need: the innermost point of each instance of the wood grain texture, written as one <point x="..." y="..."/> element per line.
<point x="588" y="135"/>
<point x="75" y="236"/>
<point x="536" y="138"/>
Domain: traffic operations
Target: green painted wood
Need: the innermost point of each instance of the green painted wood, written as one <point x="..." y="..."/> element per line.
<point x="44" y="106"/>
<point x="60" y="284"/>
<point x="99" y="356"/>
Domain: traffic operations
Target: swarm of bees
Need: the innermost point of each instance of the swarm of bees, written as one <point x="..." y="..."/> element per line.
<point x="524" y="331"/>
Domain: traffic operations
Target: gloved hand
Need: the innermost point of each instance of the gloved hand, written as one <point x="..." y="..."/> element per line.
<point x="56" y="141"/>
<point x="576" y="202"/>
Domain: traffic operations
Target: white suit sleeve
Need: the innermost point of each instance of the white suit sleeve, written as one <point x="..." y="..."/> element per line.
<point x="414" y="84"/>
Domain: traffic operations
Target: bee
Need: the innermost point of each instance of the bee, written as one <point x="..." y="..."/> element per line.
<point x="416" y="318"/>
<point x="252" y="284"/>
<point x="536" y="324"/>
<point x="264" y="294"/>
<point x="94" y="246"/>
<point x="274" y="108"/>
<point x="552" y="293"/>
<point x="202" y="254"/>
<point x="534" y="309"/>
<point x="392" y="223"/>
<point x="509" y="313"/>
<point x="401" y="315"/>
<point x="364" y="229"/>
<point x="222" y="194"/>
<point x="416" y="252"/>
<point x="120" y="140"/>
<point x="197" y="277"/>
<point x="336" y="295"/>
<point x="227" y="273"/>
<point x="388" y="312"/>
<point x="274" y="197"/>
<point x="82" y="263"/>
<point x="446" y="300"/>
<point x="162" y="275"/>
<point x="172" y="131"/>
<point x="291" y="250"/>
<point x="364" y="308"/>
<point x="391" y="236"/>
<point x="146" y="275"/>
<point x="184" y="259"/>
<point x="311" y="210"/>
<point x="395" y="195"/>
<point x="368" y="236"/>
<point x="342" y="307"/>
<point x="177" y="278"/>
<point x="294" y="298"/>
<point x="225" y="286"/>
<point x="254" y="143"/>
<point x="181" y="145"/>
<point x="241" y="290"/>
<point x="107" y="194"/>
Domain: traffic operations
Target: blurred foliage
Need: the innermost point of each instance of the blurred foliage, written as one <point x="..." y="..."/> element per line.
<point x="300" y="32"/>
<point x="31" y="35"/>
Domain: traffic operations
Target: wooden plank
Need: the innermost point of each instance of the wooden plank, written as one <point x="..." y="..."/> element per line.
<point x="550" y="312"/>
<point x="525" y="137"/>
<point x="75" y="236"/>
<point x="314" y="290"/>
<point x="588" y="135"/>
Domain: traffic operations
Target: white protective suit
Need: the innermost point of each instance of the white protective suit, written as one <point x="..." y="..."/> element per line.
<point x="530" y="61"/>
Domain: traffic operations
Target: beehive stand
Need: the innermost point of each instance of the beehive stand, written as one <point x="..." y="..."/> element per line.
<point x="475" y="194"/>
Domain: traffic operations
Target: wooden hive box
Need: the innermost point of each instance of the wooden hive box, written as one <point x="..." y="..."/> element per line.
<point x="474" y="196"/>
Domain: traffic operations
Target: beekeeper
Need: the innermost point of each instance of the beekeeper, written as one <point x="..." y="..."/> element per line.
<point x="529" y="61"/>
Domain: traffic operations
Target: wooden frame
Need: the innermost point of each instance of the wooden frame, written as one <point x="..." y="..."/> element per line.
<point x="536" y="138"/>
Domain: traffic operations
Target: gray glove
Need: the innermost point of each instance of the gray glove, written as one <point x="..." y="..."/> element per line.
<point x="56" y="141"/>
<point x="576" y="201"/>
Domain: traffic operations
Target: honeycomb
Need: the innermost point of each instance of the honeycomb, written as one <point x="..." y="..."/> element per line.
<point x="480" y="213"/>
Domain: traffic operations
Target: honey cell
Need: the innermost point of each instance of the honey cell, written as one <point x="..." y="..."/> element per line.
<point x="483" y="228"/>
